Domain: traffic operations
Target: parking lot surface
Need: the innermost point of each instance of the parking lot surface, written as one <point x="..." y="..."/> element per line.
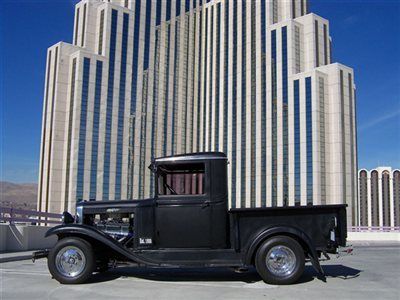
<point x="373" y="272"/>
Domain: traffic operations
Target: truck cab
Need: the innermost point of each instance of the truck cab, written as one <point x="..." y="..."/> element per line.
<point x="188" y="223"/>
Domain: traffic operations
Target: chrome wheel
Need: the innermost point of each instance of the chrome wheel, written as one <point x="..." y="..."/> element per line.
<point x="70" y="261"/>
<point x="281" y="261"/>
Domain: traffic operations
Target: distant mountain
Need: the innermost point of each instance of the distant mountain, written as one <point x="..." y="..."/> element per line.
<point x="18" y="195"/>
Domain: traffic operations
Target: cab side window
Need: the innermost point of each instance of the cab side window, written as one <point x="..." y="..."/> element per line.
<point x="181" y="179"/>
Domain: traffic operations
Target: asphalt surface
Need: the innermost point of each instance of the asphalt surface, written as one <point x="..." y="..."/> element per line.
<point x="373" y="272"/>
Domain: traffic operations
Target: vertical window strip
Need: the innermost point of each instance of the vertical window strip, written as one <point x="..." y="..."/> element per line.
<point x="275" y="11"/>
<point x="244" y="113"/>
<point x="326" y="44"/>
<point x="178" y="7"/>
<point x="135" y="52"/>
<point x="96" y="124"/>
<point x="234" y="105"/>
<point x="343" y="132"/>
<point x="226" y="74"/>
<point x="158" y="12"/>
<point x="285" y="134"/>
<point x="126" y="3"/>
<point x="206" y="64"/>
<point x="100" y="46"/>
<point x="53" y="99"/>
<point x="316" y="44"/>
<point x="297" y="48"/>
<point x="83" y="26"/>
<point x="302" y="7"/>
<point x="187" y="5"/>
<point x="274" y="118"/>
<point x="322" y="138"/>
<point x="109" y="106"/>
<point x="199" y="80"/>
<point x="253" y="106"/>
<point x="82" y="130"/>
<point x="168" y="12"/>
<point x="352" y="168"/>
<point x="293" y="9"/>
<point x="76" y="27"/>
<point x="69" y="134"/>
<point x="210" y="80"/>
<point x="217" y="78"/>
<point x="147" y="36"/>
<point x="46" y="99"/>
<point x="309" y="141"/>
<point x="154" y="125"/>
<point x="175" y="89"/>
<point x="121" y="106"/>
<point x="166" y="97"/>
<point x="263" y="105"/>
<point x="143" y="135"/>
<point x="297" y="173"/>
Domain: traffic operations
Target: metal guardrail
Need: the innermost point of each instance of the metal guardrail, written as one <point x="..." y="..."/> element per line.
<point x="374" y="229"/>
<point x="13" y="215"/>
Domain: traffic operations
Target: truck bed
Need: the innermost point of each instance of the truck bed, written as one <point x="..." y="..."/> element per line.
<point x="317" y="223"/>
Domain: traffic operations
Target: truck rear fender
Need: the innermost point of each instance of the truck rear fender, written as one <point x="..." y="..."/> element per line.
<point x="92" y="234"/>
<point x="300" y="236"/>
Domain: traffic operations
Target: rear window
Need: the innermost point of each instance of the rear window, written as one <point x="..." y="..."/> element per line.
<point x="181" y="179"/>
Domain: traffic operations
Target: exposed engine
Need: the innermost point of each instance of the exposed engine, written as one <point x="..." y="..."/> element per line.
<point x="119" y="227"/>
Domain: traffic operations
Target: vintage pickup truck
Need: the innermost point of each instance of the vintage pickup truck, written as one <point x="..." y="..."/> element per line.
<point x="188" y="224"/>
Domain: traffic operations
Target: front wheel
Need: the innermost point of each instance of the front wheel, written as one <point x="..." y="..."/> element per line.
<point x="71" y="261"/>
<point x="280" y="260"/>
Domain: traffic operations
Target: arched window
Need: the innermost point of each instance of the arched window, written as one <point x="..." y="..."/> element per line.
<point x="363" y="192"/>
<point x="386" y="197"/>
<point x="375" y="197"/>
<point x="396" y="197"/>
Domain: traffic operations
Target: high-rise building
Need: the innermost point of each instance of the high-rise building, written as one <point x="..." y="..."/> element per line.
<point x="253" y="79"/>
<point x="379" y="197"/>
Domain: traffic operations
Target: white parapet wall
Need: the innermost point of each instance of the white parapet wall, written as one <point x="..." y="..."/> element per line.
<point x="392" y="236"/>
<point x="24" y="238"/>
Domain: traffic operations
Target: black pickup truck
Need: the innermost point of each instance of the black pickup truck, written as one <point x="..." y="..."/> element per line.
<point x="188" y="224"/>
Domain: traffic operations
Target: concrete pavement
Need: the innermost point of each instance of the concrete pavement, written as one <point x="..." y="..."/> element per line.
<point x="372" y="272"/>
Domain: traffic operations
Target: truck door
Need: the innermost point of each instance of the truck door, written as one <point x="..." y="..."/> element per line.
<point x="183" y="211"/>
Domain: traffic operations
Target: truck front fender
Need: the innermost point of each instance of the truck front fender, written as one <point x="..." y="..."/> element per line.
<point x="289" y="231"/>
<point x="90" y="233"/>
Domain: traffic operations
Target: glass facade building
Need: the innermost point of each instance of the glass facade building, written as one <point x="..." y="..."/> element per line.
<point x="144" y="79"/>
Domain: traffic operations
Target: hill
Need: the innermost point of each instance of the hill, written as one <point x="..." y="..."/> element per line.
<point x="18" y="195"/>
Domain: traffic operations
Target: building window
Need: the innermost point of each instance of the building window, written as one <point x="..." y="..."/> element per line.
<point x="100" y="46"/>
<point x="181" y="179"/>
<point x="83" y="26"/>
<point x="234" y="105"/>
<point x="263" y="105"/>
<point x="109" y="106"/>
<point x="321" y="84"/>
<point x="363" y="182"/>
<point x="82" y="129"/>
<point x="76" y="26"/>
<point x="375" y="198"/>
<point x="121" y="105"/>
<point x="96" y="124"/>
<point x="343" y="134"/>
<point x="316" y="44"/>
<point x="297" y="173"/>
<point x="275" y="10"/>
<point x="396" y="197"/>
<point x="244" y="112"/>
<point x="326" y="44"/>
<point x="309" y="141"/>
<point x="297" y="49"/>
<point x="274" y="118"/>
<point x="386" y="197"/>
<point x="285" y="136"/>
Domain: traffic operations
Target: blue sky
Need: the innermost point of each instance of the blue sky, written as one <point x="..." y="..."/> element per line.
<point x="366" y="36"/>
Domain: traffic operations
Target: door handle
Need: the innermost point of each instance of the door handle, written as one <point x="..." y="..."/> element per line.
<point x="206" y="203"/>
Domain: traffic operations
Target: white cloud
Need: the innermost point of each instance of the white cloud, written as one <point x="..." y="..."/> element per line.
<point x="380" y="119"/>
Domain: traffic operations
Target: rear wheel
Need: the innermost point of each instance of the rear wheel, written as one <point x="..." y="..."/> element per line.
<point x="71" y="261"/>
<point x="280" y="260"/>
